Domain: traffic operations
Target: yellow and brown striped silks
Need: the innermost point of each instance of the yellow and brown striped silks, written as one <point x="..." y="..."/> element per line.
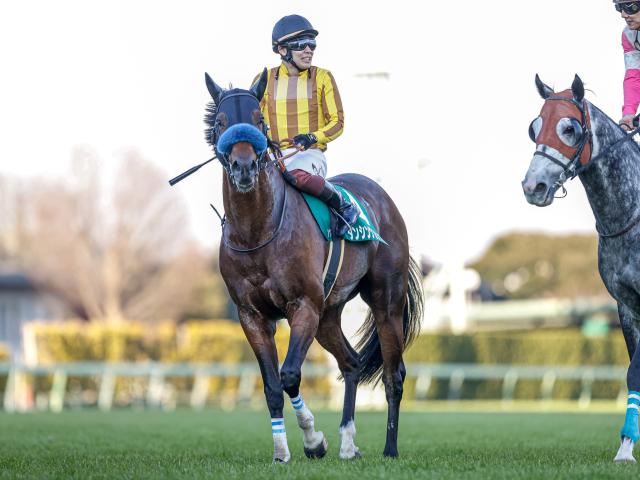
<point x="305" y="103"/>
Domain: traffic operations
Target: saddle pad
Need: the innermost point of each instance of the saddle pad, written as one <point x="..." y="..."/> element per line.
<point x="363" y="231"/>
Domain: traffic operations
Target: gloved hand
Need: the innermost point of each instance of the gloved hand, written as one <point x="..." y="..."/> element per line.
<point x="626" y="122"/>
<point x="305" y="140"/>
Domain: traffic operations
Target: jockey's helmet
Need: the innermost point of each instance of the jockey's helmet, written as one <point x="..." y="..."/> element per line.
<point x="290" y="27"/>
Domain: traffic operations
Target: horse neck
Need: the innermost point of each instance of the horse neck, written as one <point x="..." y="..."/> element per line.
<point x="253" y="217"/>
<point x="612" y="182"/>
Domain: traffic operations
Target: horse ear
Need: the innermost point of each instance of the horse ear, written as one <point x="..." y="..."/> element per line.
<point x="545" y="91"/>
<point x="259" y="87"/>
<point x="214" y="90"/>
<point x="577" y="88"/>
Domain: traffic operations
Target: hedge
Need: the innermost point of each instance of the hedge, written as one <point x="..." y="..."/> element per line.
<point x="548" y="347"/>
<point x="193" y="342"/>
<point x="224" y="341"/>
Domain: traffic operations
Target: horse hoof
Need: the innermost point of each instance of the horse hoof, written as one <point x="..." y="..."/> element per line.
<point x="351" y="456"/>
<point x="319" y="451"/>
<point x="625" y="452"/>
<point x="280" y="461"/>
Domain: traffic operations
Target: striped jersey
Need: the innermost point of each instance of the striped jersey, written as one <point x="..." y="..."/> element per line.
<point x="305" y="103"/>
<point x="631" y="84"/>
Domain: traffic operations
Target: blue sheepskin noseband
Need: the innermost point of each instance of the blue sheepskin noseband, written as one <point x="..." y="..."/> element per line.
<point x="242" y="132"/>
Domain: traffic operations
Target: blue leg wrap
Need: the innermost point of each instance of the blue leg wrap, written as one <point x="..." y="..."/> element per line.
<point x="630" y="428"/>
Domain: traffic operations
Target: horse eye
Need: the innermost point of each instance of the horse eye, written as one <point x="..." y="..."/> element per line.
<point x="569" y="130"/>
<point x="534" y="129"/>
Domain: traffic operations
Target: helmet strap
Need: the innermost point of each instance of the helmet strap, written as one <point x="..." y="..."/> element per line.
<point x="289" y="59"/>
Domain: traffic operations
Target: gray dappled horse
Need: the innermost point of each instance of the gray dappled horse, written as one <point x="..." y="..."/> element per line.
<point x="574" y="138"/>
<point x="272" y="257"/>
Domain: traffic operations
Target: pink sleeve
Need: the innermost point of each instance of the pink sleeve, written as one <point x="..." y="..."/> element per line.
<point x="631" y="84"/>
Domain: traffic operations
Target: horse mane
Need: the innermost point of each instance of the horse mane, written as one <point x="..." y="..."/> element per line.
<point x="211" y="110"/>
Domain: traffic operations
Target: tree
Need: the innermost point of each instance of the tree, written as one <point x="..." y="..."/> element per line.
<point x="530" y="265"/>
<point x="122" y="254"/>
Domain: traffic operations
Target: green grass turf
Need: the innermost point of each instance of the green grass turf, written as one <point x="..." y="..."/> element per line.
<point x="215" y="444"/>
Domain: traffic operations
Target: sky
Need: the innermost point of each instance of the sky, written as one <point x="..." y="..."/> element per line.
<point x="445" y="132"/>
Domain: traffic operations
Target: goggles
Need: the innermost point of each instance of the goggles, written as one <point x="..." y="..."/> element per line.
<point x="299" y="45"/>
<point x="630" y="8"/>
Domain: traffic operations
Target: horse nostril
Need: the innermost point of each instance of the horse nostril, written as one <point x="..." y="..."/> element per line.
<point x="541" y="188"/>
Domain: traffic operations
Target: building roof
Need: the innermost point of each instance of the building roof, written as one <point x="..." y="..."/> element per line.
<point x="15" y="281"/>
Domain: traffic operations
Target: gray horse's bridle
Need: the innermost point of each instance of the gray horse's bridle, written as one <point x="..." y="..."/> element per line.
<point x="571" y="168"/>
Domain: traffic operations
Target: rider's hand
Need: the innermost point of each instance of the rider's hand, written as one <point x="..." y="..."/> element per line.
<point x="626" y="122"/>
<point x="305" y="140"/>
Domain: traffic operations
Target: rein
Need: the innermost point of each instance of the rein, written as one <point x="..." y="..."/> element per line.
<point x="253" y="249"/>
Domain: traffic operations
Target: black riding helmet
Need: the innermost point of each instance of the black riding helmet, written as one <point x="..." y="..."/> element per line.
<point x="289" y="27"/>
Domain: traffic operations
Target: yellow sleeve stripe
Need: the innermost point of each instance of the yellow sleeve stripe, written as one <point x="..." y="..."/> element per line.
<point x="302" y="106"/>
<point x="332" y="110"/>
<point x="281" y="106"/>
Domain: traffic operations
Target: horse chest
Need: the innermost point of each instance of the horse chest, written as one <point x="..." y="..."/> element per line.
<point x="265" y="290"/>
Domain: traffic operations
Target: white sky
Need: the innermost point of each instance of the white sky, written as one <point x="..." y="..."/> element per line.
<point x="446" y="135"/>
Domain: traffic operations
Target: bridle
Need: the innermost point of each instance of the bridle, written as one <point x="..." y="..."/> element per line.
<point x="572" y="167"/>
<point x="237" y="98"/>
<point x="263" y="162"/>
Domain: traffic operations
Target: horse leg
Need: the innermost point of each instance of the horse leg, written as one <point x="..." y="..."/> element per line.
<point x="330" y="336"/>
<point x="386" y="296"/>
<point x="630" y="432"/>
<point x="304" y="324"/>
<point x="260" y="334"/>
<point x="393" y="374"/>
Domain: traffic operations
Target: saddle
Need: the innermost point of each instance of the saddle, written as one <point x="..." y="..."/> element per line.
<point x="364" y="229"/>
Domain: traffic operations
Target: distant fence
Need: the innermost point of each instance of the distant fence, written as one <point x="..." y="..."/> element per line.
<point x="18" y="389"/>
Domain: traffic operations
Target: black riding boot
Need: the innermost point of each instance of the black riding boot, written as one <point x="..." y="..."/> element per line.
<point x="349" y="211"/>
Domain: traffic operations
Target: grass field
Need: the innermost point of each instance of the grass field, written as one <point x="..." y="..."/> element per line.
<point x="215" y="444"/>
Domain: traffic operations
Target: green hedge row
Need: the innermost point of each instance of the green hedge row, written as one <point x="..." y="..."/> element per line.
<point x="223" y="341"/>
<point x="549" y="347"/>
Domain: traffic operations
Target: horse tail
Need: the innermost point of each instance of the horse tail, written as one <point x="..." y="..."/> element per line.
<point x="368" y="347"/>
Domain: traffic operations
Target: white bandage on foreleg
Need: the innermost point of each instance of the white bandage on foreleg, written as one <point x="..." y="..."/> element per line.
<point x="348" y="447"/>
<point x="311" y="438"/>
<point x="280" y="446"/>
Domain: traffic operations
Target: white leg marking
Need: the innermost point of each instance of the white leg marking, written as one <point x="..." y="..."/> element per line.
<point x="281" y="448"/>
<point x="348" y="449"/>
<point x="625" y="452"/>
<point x="310" y="438"/>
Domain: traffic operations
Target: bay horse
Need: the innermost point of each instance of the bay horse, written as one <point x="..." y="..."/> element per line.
<point x="271" y="259"/>
<point x="574" y="138"/>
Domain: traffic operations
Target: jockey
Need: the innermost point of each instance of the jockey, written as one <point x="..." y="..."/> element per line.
<point x="303" y="109"/>
<point x="630" y="11"/>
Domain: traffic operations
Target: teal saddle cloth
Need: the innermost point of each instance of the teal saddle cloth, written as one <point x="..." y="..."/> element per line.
<point x="364" y="229"/>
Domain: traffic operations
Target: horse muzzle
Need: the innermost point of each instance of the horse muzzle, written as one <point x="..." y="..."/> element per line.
<point x="244" y="175"/>
<point x="538" y="193"/>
